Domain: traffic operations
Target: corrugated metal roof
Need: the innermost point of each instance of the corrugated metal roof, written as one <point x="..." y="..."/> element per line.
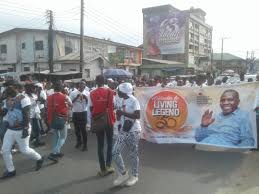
<point x="163" y="61"/>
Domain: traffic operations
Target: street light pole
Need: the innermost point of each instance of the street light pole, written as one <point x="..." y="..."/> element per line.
<point x="222" y="46"/>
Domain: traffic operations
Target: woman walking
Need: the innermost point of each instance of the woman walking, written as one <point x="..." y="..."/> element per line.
<point x="128" y="114"/>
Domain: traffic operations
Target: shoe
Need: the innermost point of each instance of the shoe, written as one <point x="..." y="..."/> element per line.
<point x="53" y="157"/>
<point x="131" y="181"/>
<point x="14" y="151"/>
<point x="102" y="173"/>
<point x="38" y="143"/>
<point x="121" y="179"/>
<point x="39" y="164"/>
<point x="59" y="155"/>
<point x="84" y="148"/>
<point x="110" y="169"/>
<point x="78" y="145"/>
<point x="8" y="174"/>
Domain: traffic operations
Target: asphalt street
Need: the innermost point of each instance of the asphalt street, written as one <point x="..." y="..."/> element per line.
<point x="164" y="169"/>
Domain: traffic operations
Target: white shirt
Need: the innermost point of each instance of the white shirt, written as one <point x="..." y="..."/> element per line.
<point x="80" y="105"/>
<point x="130" y="105"/>
<point x="50" y="92"/>
<point x="43" y="95"/>
<point x="256" y="103"/>
<point x="35" y="109"/>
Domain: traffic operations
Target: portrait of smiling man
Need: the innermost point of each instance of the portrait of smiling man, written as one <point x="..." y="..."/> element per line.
<point x="232" y="127"/>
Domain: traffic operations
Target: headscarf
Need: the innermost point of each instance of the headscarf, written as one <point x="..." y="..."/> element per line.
<point x="126" y="88"/>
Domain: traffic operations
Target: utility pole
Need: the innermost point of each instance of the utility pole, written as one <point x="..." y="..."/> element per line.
<point x="50" y="39"/>
<point x="222" y="46"/>
<point x="82" y="37"/>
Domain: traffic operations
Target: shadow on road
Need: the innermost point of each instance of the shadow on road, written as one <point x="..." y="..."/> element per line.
<point x="208" y="166"/>
<point x="67" y="185"/>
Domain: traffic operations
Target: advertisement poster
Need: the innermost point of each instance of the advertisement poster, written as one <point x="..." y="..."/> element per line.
<point x="217" y="115"/>
<point x="165" y="33"/>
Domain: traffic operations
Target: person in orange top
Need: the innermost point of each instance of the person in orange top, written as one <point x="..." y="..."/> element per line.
<point x="98" y="104"/>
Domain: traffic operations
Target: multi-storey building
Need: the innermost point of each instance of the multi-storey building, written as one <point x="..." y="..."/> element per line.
<point x="177" y="35"/>
<point x="25" y="51"/>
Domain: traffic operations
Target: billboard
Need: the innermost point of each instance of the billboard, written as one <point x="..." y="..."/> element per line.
<point x="220" y="116"/>
<point x="165" y="33"/>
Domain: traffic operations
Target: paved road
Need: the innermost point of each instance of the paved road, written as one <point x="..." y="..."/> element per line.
<point x="164" y="169"/>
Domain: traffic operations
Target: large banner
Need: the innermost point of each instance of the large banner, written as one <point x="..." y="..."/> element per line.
<point x="216" y="115"/>
<point x="165" y="33"/>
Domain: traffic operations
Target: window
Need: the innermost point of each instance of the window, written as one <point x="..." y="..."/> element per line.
<point x="38" y="45"/>
<point x="23" y="45"/>
<point x="87" y="73"/>
<point x="68" y="47"/>
<point x="3" y="48"/>
<point x="26" y="69"/>
<point x="68" y="50"/>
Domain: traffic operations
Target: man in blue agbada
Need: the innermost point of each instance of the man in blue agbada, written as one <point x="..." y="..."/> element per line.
<point x="232" y="127"/>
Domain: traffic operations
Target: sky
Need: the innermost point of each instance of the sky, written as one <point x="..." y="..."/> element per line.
<point x="122" y="20"/>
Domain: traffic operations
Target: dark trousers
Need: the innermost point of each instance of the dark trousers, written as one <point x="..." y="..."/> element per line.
<point x="79" y="120"/>
<point x="100" y="146"/>
<point x="257" y="126"/>
<point x="35" y="129"/>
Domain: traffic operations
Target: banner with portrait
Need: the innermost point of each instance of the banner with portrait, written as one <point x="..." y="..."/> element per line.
<point x="217" y="115"/>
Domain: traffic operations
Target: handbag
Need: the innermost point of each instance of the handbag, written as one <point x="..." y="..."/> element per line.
<point x="102" y="120"/>
<point x="58" y="122"/>
<point x="127" y="125"/>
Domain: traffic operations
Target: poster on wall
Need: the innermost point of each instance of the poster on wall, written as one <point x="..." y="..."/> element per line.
<point x="217" y="115"/>
<point x="165" y="33"/>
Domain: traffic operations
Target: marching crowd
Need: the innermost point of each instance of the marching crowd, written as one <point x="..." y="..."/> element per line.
<point x="33" y="110"/>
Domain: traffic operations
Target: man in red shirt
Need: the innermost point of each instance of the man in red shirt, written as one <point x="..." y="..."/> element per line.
<point x="100" y="99"/>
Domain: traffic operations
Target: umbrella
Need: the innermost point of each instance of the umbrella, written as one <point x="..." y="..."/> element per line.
<point x="229" y="71"/>
<point x="116" y="73"/>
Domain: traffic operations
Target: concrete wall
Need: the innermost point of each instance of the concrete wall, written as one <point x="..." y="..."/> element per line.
<point x="11" y="56"/>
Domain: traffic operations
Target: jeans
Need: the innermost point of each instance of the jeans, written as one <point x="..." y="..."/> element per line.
<point x="59" y="138"/>
<point x="100" y="146"/>
<point x="10" y="138"/>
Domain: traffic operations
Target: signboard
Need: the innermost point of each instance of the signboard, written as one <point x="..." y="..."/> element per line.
<point x="165" y="33"/>
<point x="217" y="115"/>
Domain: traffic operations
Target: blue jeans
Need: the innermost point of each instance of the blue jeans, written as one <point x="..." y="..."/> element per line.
<point x="59" y="138"/>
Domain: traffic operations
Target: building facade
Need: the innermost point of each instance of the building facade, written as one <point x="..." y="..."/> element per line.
<point x="25" y="51"/>
<point x="177" y="35"/>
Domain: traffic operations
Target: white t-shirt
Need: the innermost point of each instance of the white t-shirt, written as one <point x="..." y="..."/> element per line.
<point x="25" y="101"/>
<point x="130" y="105"/>
<point x="80" y="105"/>
<point x="35" y="109"/>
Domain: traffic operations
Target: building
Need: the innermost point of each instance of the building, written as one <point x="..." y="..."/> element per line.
<point x="25" y="51"/>
<point x="160" y="68"/>
<point x="177" y="35"/>
<point x="229" y="62"/>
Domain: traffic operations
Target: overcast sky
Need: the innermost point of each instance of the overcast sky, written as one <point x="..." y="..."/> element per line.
<point x="121" y="20"/>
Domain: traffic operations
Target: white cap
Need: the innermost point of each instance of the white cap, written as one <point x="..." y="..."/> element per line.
<point x="126" y="88"/>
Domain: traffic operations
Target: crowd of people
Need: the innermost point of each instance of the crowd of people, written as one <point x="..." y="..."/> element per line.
<point x="32" y="110"/>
